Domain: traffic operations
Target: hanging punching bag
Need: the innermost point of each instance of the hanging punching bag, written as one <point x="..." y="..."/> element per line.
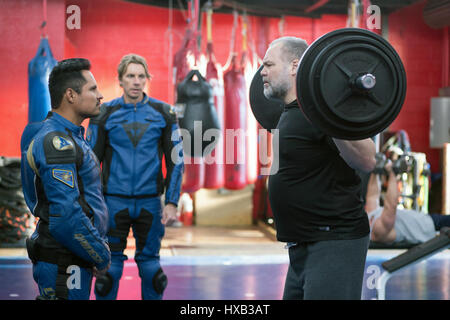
<point x="200" y="115"/>
<point x="236" y="126"/>
<point x="194" y="169"/>
<point x="251" y="132"/>
<point x="39" y="70"/>
<point x="214" y="162"/>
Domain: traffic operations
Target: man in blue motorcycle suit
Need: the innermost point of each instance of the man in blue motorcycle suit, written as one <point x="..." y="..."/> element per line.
<point x="131" y="137"/>
<point x="61" y="181"/>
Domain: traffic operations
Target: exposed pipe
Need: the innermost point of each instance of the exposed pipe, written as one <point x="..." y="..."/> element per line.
<point x="255" y="9"/>
<point x="316" y="5"/>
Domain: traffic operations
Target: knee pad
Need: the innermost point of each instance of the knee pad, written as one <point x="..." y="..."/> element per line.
<point x="107" y="285"/>
<point x="154" y="281"/>
<point x="159" y="281"/>
<point x="104" y="284"/>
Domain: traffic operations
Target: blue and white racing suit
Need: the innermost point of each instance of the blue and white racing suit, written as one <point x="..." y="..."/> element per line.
<point x="130" y="141"/>
<point x="62" y="187"/>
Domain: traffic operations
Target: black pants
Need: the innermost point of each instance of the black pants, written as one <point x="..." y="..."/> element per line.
<point x="326" y="270"/>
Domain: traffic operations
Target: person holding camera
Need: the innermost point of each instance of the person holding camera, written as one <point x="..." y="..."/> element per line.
<point x="389" y="224"/>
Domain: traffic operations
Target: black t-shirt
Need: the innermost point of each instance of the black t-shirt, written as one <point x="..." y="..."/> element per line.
<point x="314" y="195"/>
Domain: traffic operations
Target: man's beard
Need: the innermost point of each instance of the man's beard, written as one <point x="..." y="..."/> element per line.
<point x="86" y="115"/>
<point x="276" y="92"/>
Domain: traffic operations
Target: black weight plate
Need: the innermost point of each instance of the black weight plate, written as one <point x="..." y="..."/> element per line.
<point x="324" y="79"/>
<point x="359" y="108"/>
<point x="266" y="111"/>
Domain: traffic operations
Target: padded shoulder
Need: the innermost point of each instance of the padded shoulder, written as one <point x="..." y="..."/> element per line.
<point x="29" y="133"/>
<point x="165" y="109"/>
<point x="59" y="148"/>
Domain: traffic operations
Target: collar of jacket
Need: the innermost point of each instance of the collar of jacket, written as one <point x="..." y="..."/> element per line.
<point x="143" y="102"/>
<point x="78" y="130"/>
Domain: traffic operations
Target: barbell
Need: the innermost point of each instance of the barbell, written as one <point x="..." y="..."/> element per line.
<point x="350" y="83"/>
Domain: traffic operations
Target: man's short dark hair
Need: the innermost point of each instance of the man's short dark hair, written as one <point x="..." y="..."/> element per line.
<point x="66" y="74"/>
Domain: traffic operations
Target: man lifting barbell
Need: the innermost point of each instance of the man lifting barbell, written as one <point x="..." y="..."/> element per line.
<point x="316" y="193"/>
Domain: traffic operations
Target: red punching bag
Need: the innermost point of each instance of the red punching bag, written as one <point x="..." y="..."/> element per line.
<point x="251" y="128"/>
<point x="235" y="127"/>
<point x="214" y="162"/>
<point x="194" y="172"/>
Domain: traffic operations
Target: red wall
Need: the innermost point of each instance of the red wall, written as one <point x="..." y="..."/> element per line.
<point x="112" y="28"/>
<point x="107" y="34"/>
<point x="20" y="22"/>
<point x="420" y="49"/>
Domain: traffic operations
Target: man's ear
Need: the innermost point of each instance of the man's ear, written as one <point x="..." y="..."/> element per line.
<point x="70" y="95"/>
<point x="295" y="63"/>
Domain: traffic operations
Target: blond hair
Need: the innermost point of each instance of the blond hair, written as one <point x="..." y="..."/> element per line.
<point x="132" y="58"/>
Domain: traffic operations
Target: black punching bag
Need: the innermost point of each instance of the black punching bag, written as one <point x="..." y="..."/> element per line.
<point x="195" y="96"/>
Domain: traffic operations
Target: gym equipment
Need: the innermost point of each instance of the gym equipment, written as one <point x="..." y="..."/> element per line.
<point x="39" y="69"/>
<point x="16" y="220"/>
<point x="235" y="120"/>
<point x="251" y="125"/>
<point x="235" y="117"/>
<point x="214" y="162"/>
<point x="403" y="164"/>
<point x="410" y="257"/>
<point x="200" y="114"/>
<point x="350" y="83"/>
<point x="412" y="169"/>
<point x="194" y="168"/>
